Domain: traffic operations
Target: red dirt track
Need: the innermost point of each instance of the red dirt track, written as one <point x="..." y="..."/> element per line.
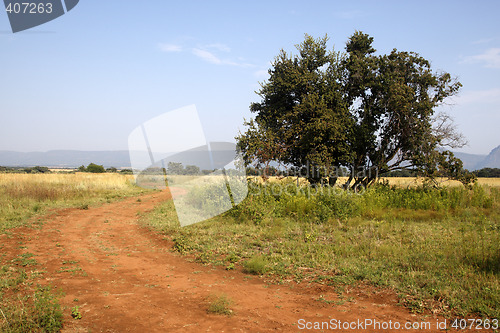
<point x="126" y="278"/>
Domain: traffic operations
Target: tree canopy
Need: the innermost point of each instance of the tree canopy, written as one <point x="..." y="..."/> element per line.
<point x="95" y="168"/>
<point x="322" y="110"/>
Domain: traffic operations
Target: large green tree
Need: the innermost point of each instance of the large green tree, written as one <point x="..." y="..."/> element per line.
<point x="393" y="99"/>
<point x="321" y="110"/>
<point x="302" y="117"/>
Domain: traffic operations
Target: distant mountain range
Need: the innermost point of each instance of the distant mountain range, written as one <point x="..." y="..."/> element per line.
<point x="492" y="160"/>
<point x="121" y="159"/>
<point x="475" y="162"/>
<point x="65" y="158"/>
<point x="470" y="160"/>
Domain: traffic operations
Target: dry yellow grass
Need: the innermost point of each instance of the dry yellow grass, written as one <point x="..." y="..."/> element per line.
<point x="493" y="182"/>
<point x="274" y="179"/>
<point x="397" y="181"/>
<point x="82" y="181"/>
<point x="412" y="181"/>
<point x="24" y="195"/>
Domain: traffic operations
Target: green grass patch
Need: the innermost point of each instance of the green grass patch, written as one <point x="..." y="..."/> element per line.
<point x="437" y="248"/>
<point x="256" y="265"/>
<point x="23" y="306"/>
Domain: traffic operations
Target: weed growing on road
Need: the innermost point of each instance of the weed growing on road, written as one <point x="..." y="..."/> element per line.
<point x="75" y="312"/>
<point x="220" y="305"/>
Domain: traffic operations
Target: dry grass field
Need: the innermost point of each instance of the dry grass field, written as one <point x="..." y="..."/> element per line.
<point x="102" y="181"/>
<point x="25" y="195"/>
<point x="398" y="181"/>
<point x="411" y="181"/>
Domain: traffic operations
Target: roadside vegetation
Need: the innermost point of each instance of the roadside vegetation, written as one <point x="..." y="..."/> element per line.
<point x="26" y="306"/>
<point x="437" y="248"/>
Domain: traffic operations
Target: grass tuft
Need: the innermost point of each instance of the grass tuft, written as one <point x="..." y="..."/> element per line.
<point x="256" y="265"/>
<point x="220" y="305"/>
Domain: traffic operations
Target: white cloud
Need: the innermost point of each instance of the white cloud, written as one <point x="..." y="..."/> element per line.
<point x="478" y="96"/>
<point x="484" y="41"/>
<point x="207" y="56"/>
<point x="209" y="53"/>
<point x="170" y="47"/>
<point x="239" y="63"/>
<point x="214" y="59"/>
<point x="490" y="58"/>
<point x="219" y="46"/>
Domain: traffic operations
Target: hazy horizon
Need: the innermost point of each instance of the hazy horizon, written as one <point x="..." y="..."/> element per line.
<point x="166" y="153"/>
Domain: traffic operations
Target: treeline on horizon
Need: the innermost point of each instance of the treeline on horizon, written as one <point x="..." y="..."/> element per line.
<point x="91" y="168"/>
<point x="193" y="170"/>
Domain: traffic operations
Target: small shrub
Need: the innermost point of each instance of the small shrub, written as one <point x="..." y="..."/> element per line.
<point x="94" y="168"/>
<point x="181" y="244"/>
<point x="220" y="305"/>
<point x="75" y="312"/>
<point x="211" y="199"/>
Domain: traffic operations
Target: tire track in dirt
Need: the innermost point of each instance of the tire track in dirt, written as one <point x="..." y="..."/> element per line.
<point x="125" y="278"/>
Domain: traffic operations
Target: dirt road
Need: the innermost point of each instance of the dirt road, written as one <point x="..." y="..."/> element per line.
<point x="125" y="278"/>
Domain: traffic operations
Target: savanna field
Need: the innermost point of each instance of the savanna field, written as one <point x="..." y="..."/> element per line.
<point x="25" y="195"/>
<point x="438" y="249"/>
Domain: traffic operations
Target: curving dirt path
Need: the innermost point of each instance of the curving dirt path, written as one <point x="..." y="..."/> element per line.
<point x="125" y="278"/>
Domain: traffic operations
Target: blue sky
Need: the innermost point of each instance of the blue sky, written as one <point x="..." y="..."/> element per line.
<point x="85" y="80"/>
